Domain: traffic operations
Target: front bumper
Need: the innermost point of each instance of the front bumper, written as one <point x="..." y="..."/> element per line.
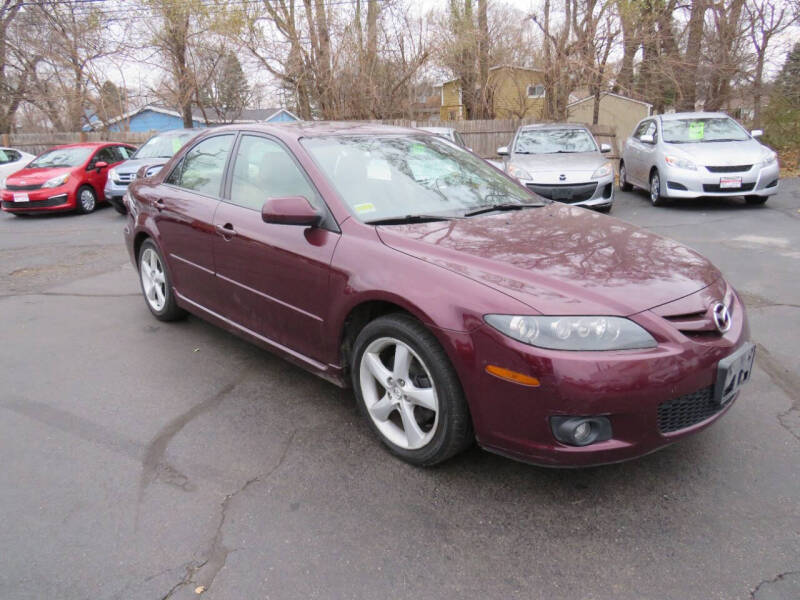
<point x="634" y="389"/>
<point x="41" y="200"/>
<point x="115" y="189"/>
<point x="683" y="183"/>
<point x="590" y="193"/>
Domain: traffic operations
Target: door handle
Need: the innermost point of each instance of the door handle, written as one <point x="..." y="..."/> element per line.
<point x="159" y="204"/>
<point x="226" y="231"/>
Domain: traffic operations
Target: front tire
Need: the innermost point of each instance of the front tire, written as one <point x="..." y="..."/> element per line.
<point x="756" y="199"/>
<point x="624" y="185"/>
<point x="656" y="197"/>
<point x="156" y="284"/>
<point x="409" y="392"/>
<point x="86" y="201"/>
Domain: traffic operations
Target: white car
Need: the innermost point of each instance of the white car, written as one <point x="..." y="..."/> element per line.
<point x="693" y="155"/>
<point x="11" y="161"/>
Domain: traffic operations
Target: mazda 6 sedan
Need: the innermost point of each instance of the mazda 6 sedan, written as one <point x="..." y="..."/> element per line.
<point x="457" y="304"/>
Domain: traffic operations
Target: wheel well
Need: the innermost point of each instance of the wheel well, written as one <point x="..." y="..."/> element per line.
<point x="653" y="169"/>
<point x="137" y="243"/>
<point x="355" y="321"/>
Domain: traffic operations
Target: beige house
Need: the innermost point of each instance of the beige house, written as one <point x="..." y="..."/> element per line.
<point x="515" y="92"/>
<point x="620" y="113"/>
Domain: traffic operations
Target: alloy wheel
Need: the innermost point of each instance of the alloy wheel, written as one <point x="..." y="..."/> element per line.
<point x="399" y="393"/>
<point x="153" y="279"/>
<point x="655" y="188"/>
<point x="87" y="200"/>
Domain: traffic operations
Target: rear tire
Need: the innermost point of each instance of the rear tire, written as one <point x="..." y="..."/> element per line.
<point x="756" y="199"/>
<point x="156" y="284"/>
<point x="409" y="392"/>
<point x="86" y="200"/>
<point x="623" y="178"/>
<point x="656" y="197"/>
<point x="118" y="205"/>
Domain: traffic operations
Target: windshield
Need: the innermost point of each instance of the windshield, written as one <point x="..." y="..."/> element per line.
<point x="61" y="157"/>
<point x="402" y="176"/>
<point x="552" y="141"/>
<point x="163" y="146"/>
<point x="715" y="129"/>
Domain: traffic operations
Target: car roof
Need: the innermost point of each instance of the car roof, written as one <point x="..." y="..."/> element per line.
<point x="693" y="115"/>
<point x="88" y="145"/>
<point x="437" y="129"/>
<point x="305" y="129"/>
<point x="553" y="126"/>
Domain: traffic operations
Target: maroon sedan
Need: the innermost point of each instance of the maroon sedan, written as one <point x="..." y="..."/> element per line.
<point x="457" y="304"/>
<point x="63" y="178"/>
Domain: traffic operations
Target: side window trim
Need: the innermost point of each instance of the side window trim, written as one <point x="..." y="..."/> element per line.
<point x="328" y="222"/>
<point x="182" y="162"/>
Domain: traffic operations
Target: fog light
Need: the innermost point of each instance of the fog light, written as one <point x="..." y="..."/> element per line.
<point x="581" y="431"/>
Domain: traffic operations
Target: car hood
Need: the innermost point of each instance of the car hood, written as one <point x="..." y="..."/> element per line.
<point x="560" y="259"/>
<point x="36" y="176"/>
<point x="133" y="165"/>
<point x="720" y="154"/>
<point x="549" y="168"/>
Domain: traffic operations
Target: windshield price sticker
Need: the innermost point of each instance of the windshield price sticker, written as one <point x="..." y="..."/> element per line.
<point x="365" y="207"/>
<point x="696" y="130"/>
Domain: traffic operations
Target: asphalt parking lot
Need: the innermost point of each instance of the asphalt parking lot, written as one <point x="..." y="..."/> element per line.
<point x="150" y="460"/>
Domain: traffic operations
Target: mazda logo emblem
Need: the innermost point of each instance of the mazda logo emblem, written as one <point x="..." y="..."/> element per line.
<point x="722" y="317"/>
<point x="562" y="177"/>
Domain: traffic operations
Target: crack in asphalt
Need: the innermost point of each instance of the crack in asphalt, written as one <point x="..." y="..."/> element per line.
<point x="775" y="579"/>
<point x="789" y="383"/>
<point x="206" y="572"/>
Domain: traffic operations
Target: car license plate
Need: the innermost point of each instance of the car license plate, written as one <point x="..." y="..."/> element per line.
<point x="733" y="372"/>
<point x="728" y="183"/>
<point x="21" y="198"/>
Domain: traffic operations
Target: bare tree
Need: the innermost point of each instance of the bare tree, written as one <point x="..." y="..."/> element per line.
<point x="14" y="66"/>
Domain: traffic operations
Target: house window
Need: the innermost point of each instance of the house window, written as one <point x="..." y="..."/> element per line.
<point x="536" y="91"/>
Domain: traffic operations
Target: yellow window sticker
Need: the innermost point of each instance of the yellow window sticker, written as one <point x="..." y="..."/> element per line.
<point x="364" y="207"/>
<point x="696" y="130"/>
<point x="176" y="144"/>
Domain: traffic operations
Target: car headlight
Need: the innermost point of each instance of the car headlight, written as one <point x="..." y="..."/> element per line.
<point x="56" y="181"/>
<point x="112" y="175"/>
<point x="768" y="157"/>
<point x="518" y="172"/>
<point x="603" y="171"/>
<point x="680" y="163"/>
<point x="573" y="333"/>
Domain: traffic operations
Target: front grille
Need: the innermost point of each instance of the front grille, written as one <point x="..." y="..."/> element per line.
<point x="23" y="188"/>
<point x="54" y="201"/>
<point x="687" y="410"/>
<point x="730" y="169"/>
<point x="125" y="178"/>
<point x="564" y="193"/>
<point x="714" y="187"/>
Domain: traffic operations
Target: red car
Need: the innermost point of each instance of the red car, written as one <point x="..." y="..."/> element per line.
<point x="457" y="304"/>
<point x="63" y="178"/>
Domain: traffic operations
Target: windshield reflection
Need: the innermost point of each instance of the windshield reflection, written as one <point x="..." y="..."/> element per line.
<point x="402" y="176"/>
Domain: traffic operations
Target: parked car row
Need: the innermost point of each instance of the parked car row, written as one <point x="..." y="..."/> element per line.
<point x="78" y="177"/>
<point x="681" y="155"/>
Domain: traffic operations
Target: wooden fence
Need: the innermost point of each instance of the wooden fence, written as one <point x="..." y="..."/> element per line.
<point x="484" y="137"/>
<point x="36" y="143"/>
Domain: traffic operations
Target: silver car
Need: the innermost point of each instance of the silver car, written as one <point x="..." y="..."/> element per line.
<point x="562" y="162"/>
<point x="447" y="133"/>
<point x="692" y="155"/>
<point x="154" y="153"/>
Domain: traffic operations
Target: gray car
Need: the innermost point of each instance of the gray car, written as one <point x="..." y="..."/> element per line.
<point x="692" y="155"/>
<point x="447" y="133"/>
<point x="154" y="153"/>
<point x="562" y="162"/>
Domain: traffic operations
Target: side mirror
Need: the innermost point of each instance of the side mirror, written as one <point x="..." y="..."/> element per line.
<point x="503" y="151"/>
<point x="290" y="210"/>
<point x="757" y="133"/>
<point x="647" y="138"/>
<point x="100" y="165"/>
<point x="605" y="148"/>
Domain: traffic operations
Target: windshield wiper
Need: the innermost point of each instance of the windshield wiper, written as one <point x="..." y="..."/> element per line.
<point x="501" y="206"/>
<point x="409" y="219"/>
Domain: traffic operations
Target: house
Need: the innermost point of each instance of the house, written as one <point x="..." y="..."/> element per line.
<point x="620" y="113"/>
<point x="515" y="92"/>
<point x="154" y="117"/>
